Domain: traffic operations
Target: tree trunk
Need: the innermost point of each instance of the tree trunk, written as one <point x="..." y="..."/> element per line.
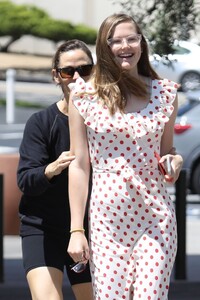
<point x="5" y="47"/>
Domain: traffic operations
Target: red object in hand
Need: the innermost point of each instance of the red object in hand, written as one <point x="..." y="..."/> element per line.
<point x="160" y="165"/>
<point x="162" y="168"/>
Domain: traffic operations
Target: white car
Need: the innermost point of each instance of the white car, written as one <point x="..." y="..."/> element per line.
<point x="187" y="139"/>
<point x="183" y="66"/>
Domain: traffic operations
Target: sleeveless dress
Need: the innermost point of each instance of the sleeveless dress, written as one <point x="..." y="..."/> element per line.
<point x="133" y="238"/>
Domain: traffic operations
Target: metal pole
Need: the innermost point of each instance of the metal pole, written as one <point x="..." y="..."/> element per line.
<point x="10" y="96"/>
<point x="1" y="230"/>
<point x="180" y="263"/>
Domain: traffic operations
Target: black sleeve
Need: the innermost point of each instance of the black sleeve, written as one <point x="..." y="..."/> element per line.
<point x="34" y="157"/>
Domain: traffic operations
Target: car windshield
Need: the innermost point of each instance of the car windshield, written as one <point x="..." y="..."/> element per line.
<point x="180" y="50"/>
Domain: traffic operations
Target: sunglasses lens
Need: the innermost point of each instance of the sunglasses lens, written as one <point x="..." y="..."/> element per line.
<point x="85" y="70"/>
<point x="67" y="72"/>
<point x="78" y="267"/>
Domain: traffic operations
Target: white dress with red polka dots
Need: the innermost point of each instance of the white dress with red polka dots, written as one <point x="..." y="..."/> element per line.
<point x="132" y="218"/>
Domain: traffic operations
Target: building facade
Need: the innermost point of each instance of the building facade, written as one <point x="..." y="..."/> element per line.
<point x="88" y="12"/>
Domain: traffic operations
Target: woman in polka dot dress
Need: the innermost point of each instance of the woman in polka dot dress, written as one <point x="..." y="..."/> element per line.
<point x="118" y="120"/>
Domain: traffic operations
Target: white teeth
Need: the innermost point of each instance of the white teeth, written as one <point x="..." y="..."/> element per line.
<point x="125" y="55"/>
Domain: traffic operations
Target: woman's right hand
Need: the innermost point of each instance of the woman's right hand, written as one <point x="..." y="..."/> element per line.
<point x="57" y="166"/>
<point x="78" y="247"/>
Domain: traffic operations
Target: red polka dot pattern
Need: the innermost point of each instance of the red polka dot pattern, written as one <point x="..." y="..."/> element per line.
<point x="132" y="218"/>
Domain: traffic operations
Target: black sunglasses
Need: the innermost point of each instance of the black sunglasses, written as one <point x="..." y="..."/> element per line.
<point x="68" y="72"/>
<point x="78" y="267"/>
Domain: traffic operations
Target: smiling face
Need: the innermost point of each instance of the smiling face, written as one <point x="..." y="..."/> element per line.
<point x="126" y="47"/>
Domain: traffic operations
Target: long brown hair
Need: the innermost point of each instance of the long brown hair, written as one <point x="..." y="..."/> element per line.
<point x="112" y="83"/>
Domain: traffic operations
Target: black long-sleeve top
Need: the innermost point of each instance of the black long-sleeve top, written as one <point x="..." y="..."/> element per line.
<point x="44" y="205"/>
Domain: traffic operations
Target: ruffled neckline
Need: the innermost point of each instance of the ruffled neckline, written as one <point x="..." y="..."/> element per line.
<point x="154" y="115"/>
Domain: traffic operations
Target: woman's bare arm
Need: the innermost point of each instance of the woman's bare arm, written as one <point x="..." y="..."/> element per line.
<point x="79" y="170"/>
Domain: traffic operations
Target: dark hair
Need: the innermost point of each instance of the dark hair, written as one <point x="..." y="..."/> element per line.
<point x="67" y="46"/>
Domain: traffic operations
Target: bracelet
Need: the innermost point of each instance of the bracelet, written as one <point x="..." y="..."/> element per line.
<point x="77" y="230"/>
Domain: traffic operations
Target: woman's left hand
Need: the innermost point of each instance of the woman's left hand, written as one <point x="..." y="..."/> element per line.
<point x="176" y="162"/>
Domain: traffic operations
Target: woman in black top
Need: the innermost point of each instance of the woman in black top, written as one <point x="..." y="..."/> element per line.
<point x="43" y="179"/>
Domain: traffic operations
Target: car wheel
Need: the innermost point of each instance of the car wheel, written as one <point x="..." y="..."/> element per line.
<point x="190" y="81"/>
<point x="196" y="180"/>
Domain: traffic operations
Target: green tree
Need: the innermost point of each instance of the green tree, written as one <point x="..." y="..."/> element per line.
<point x="163" y="21"/>
<point x="19" y="20"/>
<point x="55" y="30"/>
